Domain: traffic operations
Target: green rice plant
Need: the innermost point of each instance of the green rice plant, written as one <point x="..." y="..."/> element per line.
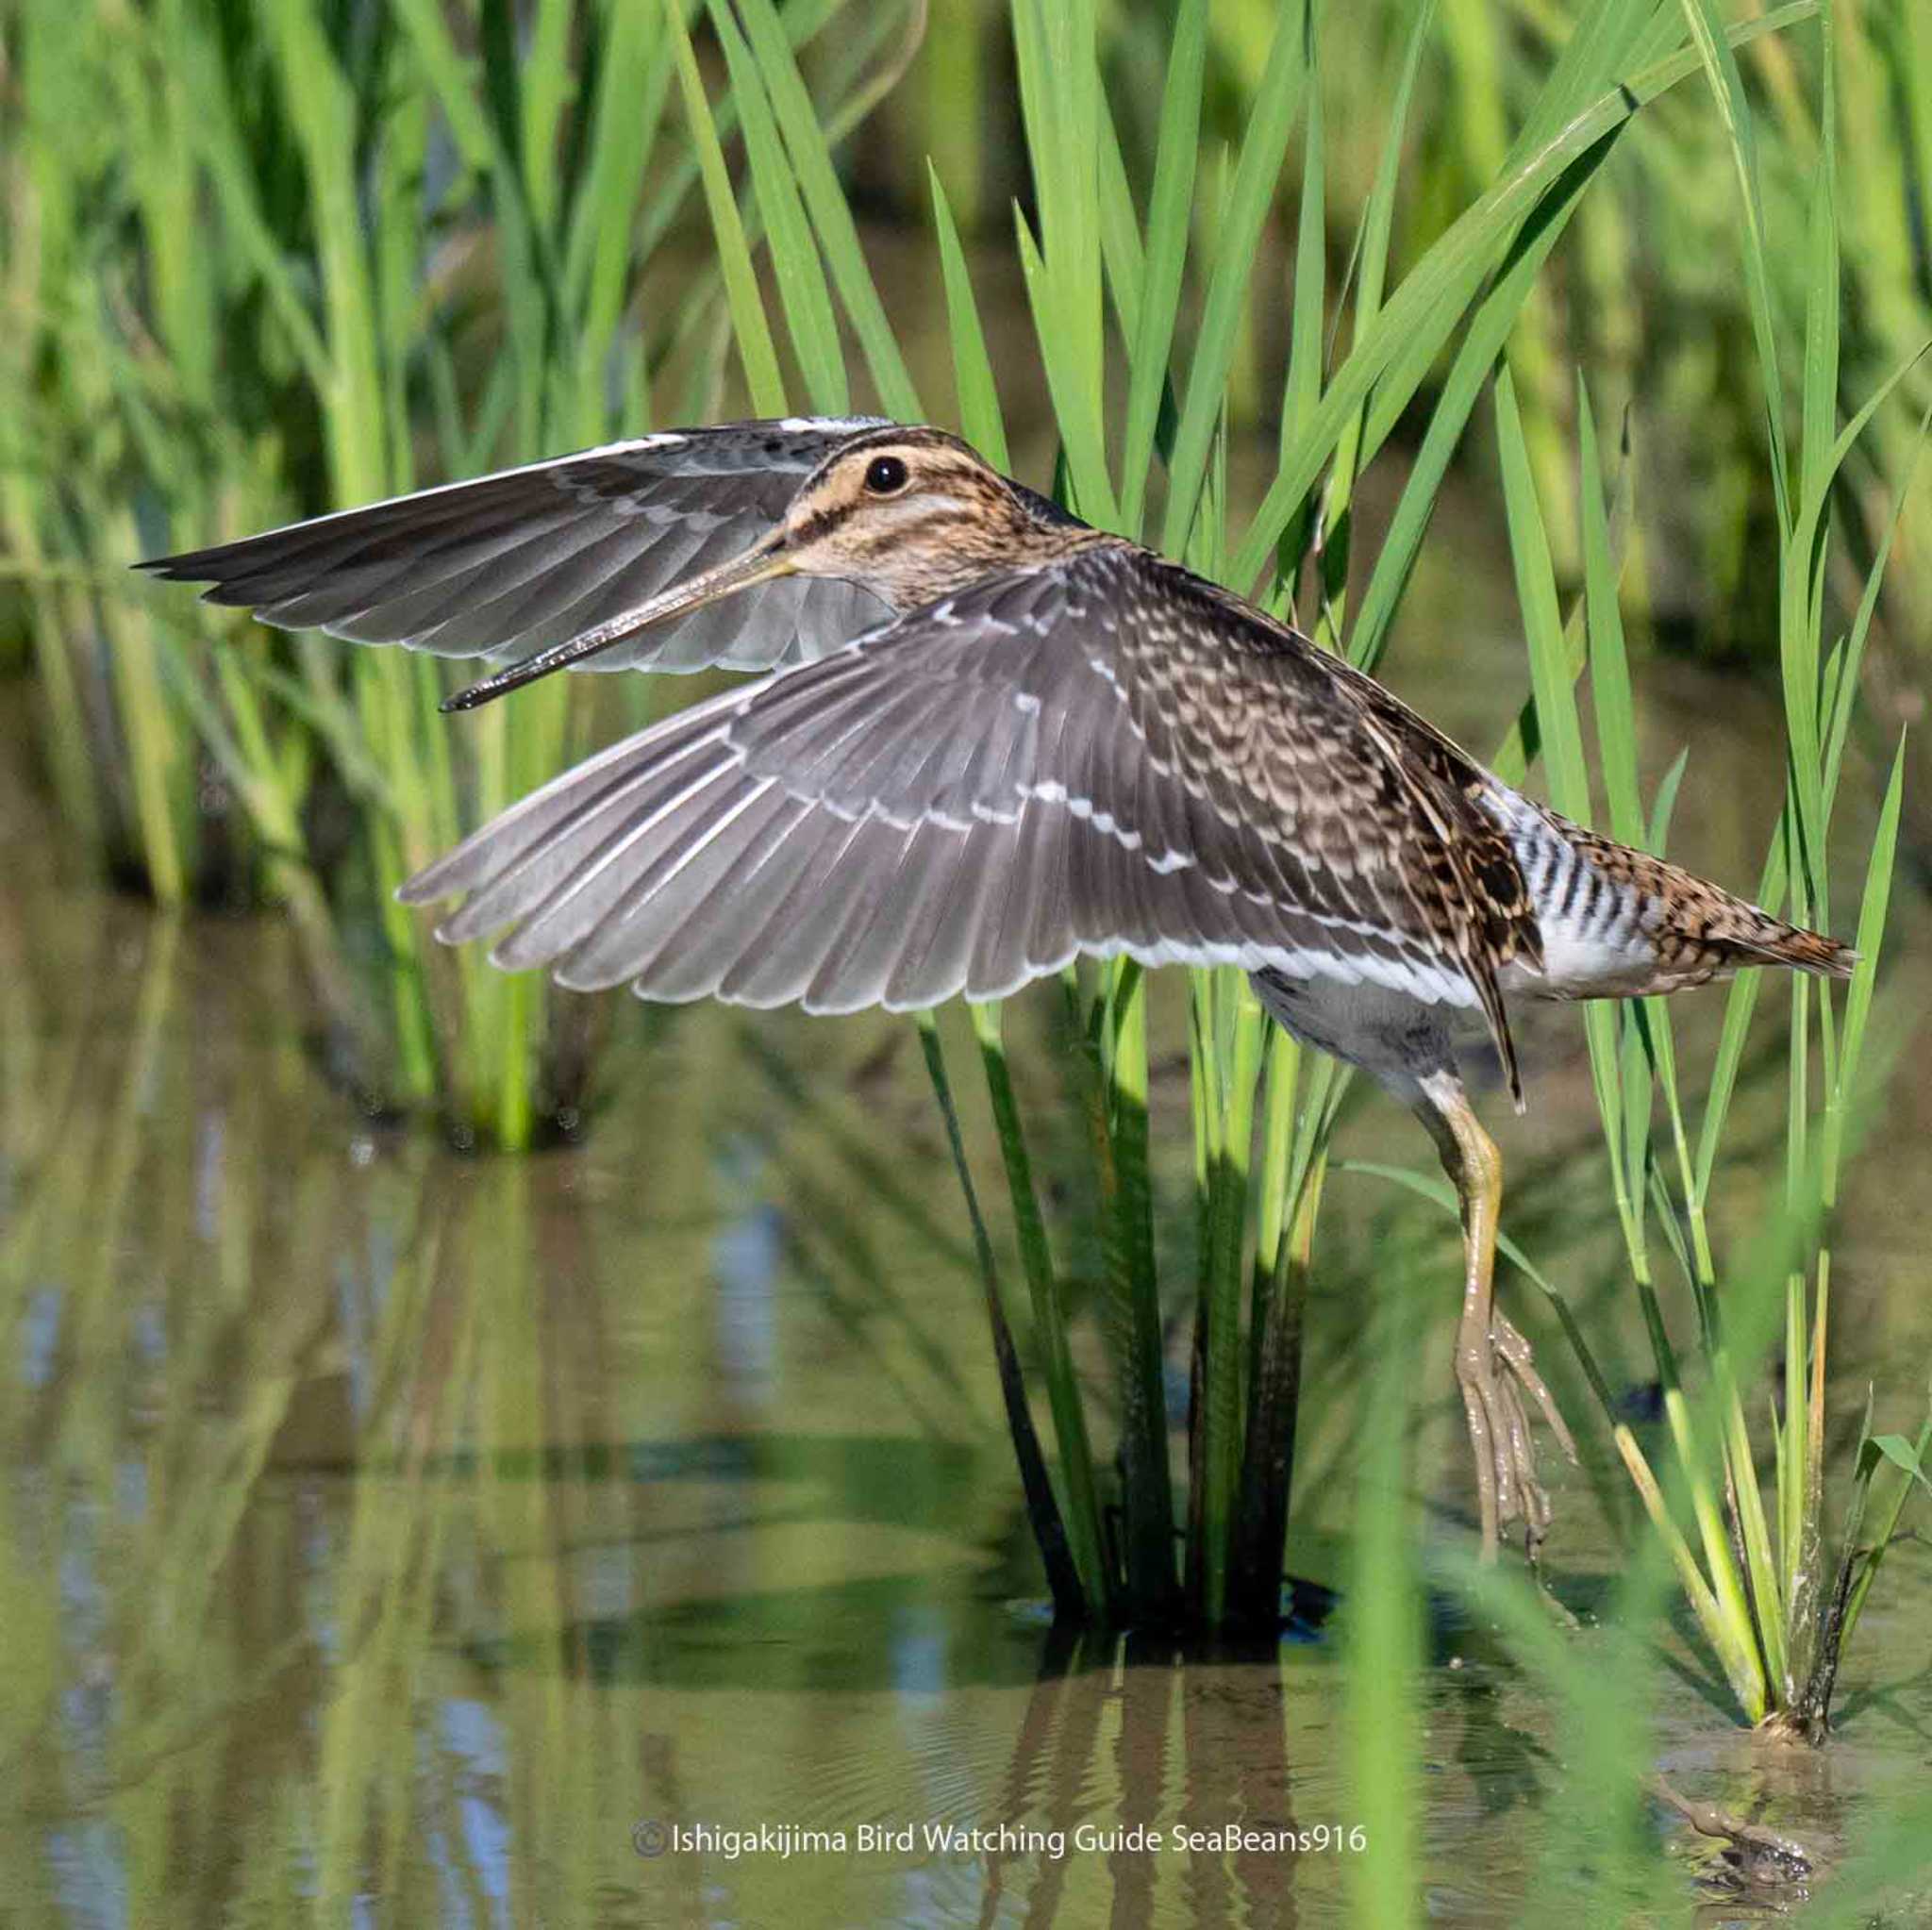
<point x="314" y="256"/>
<point x="201" y="335"/>
<point x="1756" y="1569"/>
<point x="344" y="280"/>
<point x="1088" y="256"/>
<point x="90" y="654"/>
<point x="1642" y="299"/>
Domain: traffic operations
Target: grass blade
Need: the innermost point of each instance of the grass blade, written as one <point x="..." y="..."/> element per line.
<point x="1427" y="308"/>
<point x="831" y="215"/>
<point x="802" y="287"/>
<point x="748" y="325"/>
<point x="1263" y="147"/>
<point x="1167" y="251"/>
<point x="980" y="419"/>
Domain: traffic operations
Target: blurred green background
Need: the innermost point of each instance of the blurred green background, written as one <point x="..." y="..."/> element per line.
<point x="266" y="259"/>
<point x="390" y="1523"/>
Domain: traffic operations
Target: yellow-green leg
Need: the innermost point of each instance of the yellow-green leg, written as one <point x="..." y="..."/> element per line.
<point x="1493" y="1364"/>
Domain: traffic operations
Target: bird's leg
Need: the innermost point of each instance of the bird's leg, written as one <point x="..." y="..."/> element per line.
<point x="1493" y="1364"/>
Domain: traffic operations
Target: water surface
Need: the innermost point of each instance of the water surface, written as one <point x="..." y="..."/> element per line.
<point x="397" y="1538"/>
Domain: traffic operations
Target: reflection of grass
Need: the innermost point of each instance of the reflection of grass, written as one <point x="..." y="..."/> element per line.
<point x="1109" y="289"/>
<point x="355" y="1545"/>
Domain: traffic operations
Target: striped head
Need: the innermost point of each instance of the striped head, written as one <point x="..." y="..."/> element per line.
<point x="912" y="513"/>
<point x="909" y="514"/>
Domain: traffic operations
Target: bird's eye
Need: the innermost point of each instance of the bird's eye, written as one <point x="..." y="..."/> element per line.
<point x="885" y="476"/>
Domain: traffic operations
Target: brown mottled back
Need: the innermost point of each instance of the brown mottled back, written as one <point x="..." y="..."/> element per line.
<point x="1336" y="769"/>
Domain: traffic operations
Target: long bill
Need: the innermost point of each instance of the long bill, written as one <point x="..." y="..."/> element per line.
<point x="766" y="558"/>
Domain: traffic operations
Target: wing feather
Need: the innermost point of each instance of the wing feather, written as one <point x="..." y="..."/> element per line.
<point x="968" y="863"/>
<point x="612" y="862"/>
<point x="777" y="969"/>
<point x="510" y="565"/>
<point x="964" y="797"/>
<point x="860" y="962"/>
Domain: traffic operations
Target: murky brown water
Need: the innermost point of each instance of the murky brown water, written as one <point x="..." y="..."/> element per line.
<point x="396" y="1538"/>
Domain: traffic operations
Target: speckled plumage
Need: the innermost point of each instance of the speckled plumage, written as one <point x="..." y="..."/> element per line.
<point x="1052" y="725"/>
<point x="990" y="739"/>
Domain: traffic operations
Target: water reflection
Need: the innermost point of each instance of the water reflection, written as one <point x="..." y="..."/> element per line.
<point x="386" y="1536"/>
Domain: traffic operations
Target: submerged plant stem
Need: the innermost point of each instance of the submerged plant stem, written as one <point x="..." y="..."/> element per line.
<point x="1063" y="1577"/>
<point x="1118" y="1121"/>
<point x="1050" y="1319"/>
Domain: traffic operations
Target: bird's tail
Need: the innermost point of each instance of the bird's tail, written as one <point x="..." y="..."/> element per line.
<point x="1617" y="923"/>
<point x="1705" y="932"/>
<point x="1772" y="942"/>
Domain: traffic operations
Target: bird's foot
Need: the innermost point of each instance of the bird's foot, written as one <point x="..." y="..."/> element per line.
<point x="1500" y="1384"/>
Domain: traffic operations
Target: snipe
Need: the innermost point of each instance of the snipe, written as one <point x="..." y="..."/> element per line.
<point x="991" y="738"/>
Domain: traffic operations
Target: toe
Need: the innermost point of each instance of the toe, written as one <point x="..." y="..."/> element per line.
<point x="1515" y="1352"/>
<point x="1485" y="1447"/>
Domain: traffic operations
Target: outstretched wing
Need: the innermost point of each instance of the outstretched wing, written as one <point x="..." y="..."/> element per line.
<point x="511" y="564"/>
<point x="965" y="798"/>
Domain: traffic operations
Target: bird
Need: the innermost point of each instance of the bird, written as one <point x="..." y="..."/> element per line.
<point x="984" y="737"/>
